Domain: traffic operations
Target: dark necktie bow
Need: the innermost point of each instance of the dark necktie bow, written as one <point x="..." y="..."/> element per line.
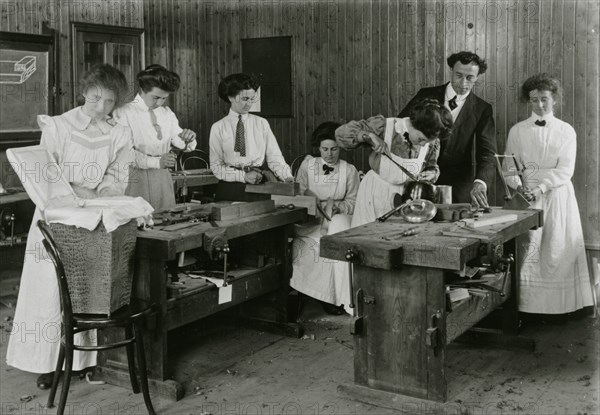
<point x="327" y="169"/>
<point x="541" y="123"/>
<point x="452" y="103"/>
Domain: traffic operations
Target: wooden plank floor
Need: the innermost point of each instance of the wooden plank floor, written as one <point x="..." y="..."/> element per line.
<point x="227" y="369"/>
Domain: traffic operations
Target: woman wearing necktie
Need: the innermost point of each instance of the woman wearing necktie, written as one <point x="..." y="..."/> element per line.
<point x="243" y="148"/>
<point x="554" y="277"/>
<point x="156" y="131"/>
<point x="335" y="184"/>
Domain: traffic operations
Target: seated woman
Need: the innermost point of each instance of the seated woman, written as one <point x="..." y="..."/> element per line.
<point x="82" y="140"/>
<point x="156" y="132"/>
<point x="413" y="142"/>
<point x="554" y="277"/>
<point x="243" y="148"/>
<point x="335" y="183"/>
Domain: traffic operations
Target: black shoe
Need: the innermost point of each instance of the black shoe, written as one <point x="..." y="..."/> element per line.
<point x="332" y="309"/>
<point x="44" y="381"/>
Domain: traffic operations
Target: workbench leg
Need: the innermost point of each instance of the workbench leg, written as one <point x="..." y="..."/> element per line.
<point x="150" y="285"/>
<point x="400" y="343"/>
<point x="269" y="312"/>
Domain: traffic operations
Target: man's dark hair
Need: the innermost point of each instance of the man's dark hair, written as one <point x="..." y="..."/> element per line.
<point x="231" y="85"/>
<point x="466" y="58"/>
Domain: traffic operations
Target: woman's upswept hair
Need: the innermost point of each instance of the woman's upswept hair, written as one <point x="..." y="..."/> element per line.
<point x="107" y="77"/>
<point x="541" y="82"/>
<point x="160" y="77"/>
<point x="431" y="118"/>
<point x="325" y="131"/>
<point x="233" y="84"/>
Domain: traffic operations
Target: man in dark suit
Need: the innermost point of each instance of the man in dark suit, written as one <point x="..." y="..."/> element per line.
<point x="466" y="158"/>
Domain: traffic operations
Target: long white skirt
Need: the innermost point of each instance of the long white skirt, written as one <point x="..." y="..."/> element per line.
<point x="34" y="340"/>
<point x="554" y="275"/>
<point x="325" y="279"/>
<point x="375" y="198"/>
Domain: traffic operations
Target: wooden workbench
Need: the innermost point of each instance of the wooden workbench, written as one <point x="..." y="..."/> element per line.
<point x="401" y="323"/>
<point x="261" y="290"/>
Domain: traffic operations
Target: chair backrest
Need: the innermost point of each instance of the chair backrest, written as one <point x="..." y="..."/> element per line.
<point x="61" y="277"/>
<point x="295" y="165"/>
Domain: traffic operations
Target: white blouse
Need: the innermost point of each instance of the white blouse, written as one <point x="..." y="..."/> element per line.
<point x="93" y="155"/>
<point x="148" y="148"/>
<point x="260" y="145"/>
<point x="548" y="153"/>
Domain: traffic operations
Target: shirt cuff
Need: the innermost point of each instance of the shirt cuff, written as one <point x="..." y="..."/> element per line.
<point x="154" y="162"/>
<point x="482" y="182"/>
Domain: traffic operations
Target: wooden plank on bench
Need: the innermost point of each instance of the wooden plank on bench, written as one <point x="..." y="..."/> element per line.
<point x="242" y="210"/>
<point x="274" y="188"/>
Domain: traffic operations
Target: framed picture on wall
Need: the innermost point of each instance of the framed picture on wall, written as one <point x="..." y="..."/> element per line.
<point x="269" y="59"/>
<point x="121" y="47"/>
<point x="27" y="86"/>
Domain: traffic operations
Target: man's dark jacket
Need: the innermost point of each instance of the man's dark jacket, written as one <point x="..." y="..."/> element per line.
<point x="472" y="133"/>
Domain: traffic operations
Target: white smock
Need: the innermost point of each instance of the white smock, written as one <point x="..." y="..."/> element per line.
<point x="554" y="277"/>
<point x="322" y="278"/>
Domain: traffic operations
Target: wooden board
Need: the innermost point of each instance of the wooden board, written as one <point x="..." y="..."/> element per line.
<point x="309" y="202"/>
<point x="242" y="210"/>
<point x="274" y="188"/>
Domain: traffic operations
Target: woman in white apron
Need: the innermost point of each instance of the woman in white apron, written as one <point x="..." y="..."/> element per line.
<point x="554" y="276"/>
<point x="335" y="184"/>
<point x="94" y="154"/>
<point x="413" y="142"/>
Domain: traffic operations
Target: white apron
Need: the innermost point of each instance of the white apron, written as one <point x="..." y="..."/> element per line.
<point x="376" y="191"/>
<point x="554" y="274"/>
<point x="322" y="278"/>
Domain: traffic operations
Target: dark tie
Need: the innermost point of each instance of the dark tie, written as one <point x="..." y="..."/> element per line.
<point x="541" y="123"/>
<point x="452" y="103"/>
<point x="327" y="169"/>
<point x="240" y="140"/>
<point x="155" y="125"/>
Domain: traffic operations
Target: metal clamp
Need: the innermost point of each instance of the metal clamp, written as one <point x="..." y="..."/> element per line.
<point x="351" y="256"/>
<point x="432" y="333"/>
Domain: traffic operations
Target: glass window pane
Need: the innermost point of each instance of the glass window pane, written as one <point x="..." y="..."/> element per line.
<point x="122" y="59"/>
<point x="93" y="53"/>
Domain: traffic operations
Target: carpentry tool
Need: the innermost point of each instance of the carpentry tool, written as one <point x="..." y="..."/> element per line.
<point x="322" y="211"/>
<point x="351" y="256"/>
<point x="511" y="201"/>
<point x="407" y="232"/>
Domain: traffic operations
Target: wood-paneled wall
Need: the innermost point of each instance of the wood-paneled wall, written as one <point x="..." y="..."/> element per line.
<point x="354" y="59"/>
<point x="27" y="16"/>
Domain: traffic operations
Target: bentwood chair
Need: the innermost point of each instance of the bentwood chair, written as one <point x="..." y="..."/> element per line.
<point x="131" y="318"/>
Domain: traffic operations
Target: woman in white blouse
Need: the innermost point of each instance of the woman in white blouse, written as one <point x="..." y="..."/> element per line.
<point x="155" y="131"/>
<point x="554" y="276"/>
<point x="95" y="155"/>
<point x="243" y="149"/>
<point x="335" y="184"/>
